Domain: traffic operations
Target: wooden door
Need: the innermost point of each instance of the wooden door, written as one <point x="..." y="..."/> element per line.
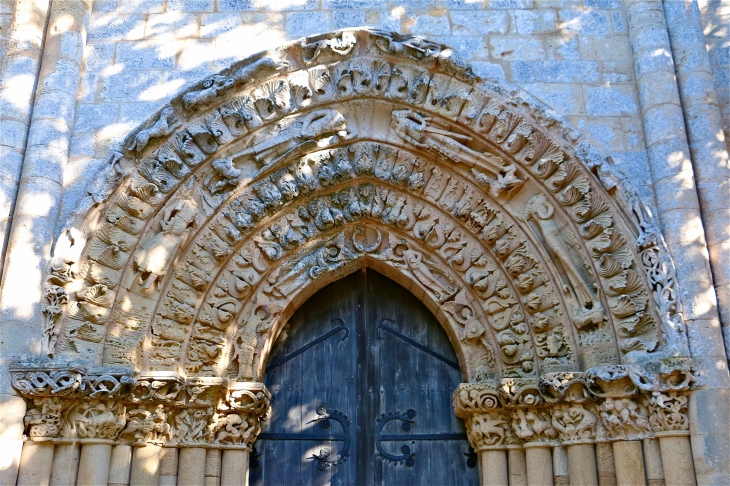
<point x="361" y="381"/>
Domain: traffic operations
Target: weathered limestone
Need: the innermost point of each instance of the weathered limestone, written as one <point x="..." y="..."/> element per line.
<point x="517" y="465"/>
<point x="653" y="462"/>
<point x="560" y="466"/>
<point x="707" y="143"/>
<point x="39" y="186"/>
<point x="493" y="467"/>
<point x="679" y="213"/>
<point x="605" y="464"/>
<point x="582" y="464"/>
<point x="66" y="464"/>
<point x="539" y="464"/>
<point x="18" y="73"/>
<point x="146" y="465"/>
<point x="629" y="460"/>
<point x="191" y="467"/>
<point x="533" y="255"/>
<point x="234" y="467"/>
<point x="119" y="465"/>
<point x="676" y="453"/>
<point x="35" y="464"/>
<point x="94" y="463"/>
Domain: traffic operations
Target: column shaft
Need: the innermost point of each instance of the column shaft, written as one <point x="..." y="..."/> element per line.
<point x="677" y="461"/>
<point x="191" y="468"/>
<point x="517" y="466"/>
<point x="582" y="465"/>
<point x="494" y="467"/>
<point x="539" y="465"/>
<point x="119" y="465"/>
<point x="234" y="469"/>
<point x="94" y="464"/>
<point x="653" y="463"/>
<point x="168" y="466"/>
<point x="213" y="467"/>
<point x="35" y="464"/>
<point x="560" y="466"/>
<point x="605" y="464"/>
<point x="146" y="466"/>
<point x="65" y="464"/>
<point x="629" y="460"/>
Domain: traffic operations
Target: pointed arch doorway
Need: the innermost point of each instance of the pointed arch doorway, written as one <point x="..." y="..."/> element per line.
<point x="361" y="380"/>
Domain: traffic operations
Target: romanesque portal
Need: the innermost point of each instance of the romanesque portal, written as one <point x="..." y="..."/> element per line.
<point x="292" y="169"/>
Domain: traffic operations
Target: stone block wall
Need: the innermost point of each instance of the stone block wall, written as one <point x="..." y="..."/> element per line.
<point x="574" y="55"/>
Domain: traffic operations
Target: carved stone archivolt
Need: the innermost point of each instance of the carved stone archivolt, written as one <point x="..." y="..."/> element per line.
<point x="258" y="186"/>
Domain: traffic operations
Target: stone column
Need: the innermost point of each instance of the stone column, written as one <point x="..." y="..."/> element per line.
<point x="677" y="458"/>
<point x="18" y="75"/>
<point x="493" y="464"/>
<point x="119" y="465"/>
<point x="65" y="464"/>
<point x="668" y="418"/>
<point x="39" y="187"/>
<point x="213" y="467"/>
<point x="706" y="141"/>
<point x="629" y="460"/>
<point x="539" y="463"/>
<point x="94" y="464"/>
<point x="681" y="221"/>
<point x="146" y="465"/>
<point x="234" y="467"/>
<point x="582" y="464"/>
<point x="605" y="464"/>
<point x="653" y="463"/>
<point x="517" y="465"/>
<point x="35" y="464"/>
<point x="168" y="466"/>
<point x="191" y="466"/>
<point x="560" y="466"/>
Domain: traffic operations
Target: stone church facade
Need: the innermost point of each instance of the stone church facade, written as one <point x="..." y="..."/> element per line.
<point x="549" y="178"/>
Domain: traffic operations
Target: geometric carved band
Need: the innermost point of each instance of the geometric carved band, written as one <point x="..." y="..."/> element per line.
<point x="617" y="402"/>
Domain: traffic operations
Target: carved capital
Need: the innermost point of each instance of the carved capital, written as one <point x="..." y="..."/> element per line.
<point x="569" y="386"/>
<point x="472" y="398"/>
<point x="534" y="425"/>
<point x="43" y="419"/>
<point x="624" y="419"/>
<point x="610" y="381"/>
<point x="147" y="425"/>
<point x="514" y="392"/>
<point x="668" y="411"/>
<point x="489" y="431"/>
<point x="575" y="423"/>
<point x="95" y="419"/>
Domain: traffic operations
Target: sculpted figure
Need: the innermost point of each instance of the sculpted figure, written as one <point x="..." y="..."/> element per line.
<point x="294" y="132"/>
<point x="155" y="255"/>
<point x="564" y="246"/>
<point x="420" y="131"/>
<point x="429" y="53"/>
<point x="162" y="127"/>
<point x="426" y="272"/>
<point x="341" y="45"/>
<point x="244" y="348"/>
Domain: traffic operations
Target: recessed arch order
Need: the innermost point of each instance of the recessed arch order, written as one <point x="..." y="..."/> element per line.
<point x="259" y="185"/>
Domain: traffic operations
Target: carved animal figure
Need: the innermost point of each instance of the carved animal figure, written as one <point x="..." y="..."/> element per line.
<point x="164" y="125"/>
<point x="213" y="87"/>
<point x="340" y="45"/>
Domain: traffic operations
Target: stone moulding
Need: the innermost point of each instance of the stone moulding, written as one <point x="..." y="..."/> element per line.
<point x="290" y="169"/>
